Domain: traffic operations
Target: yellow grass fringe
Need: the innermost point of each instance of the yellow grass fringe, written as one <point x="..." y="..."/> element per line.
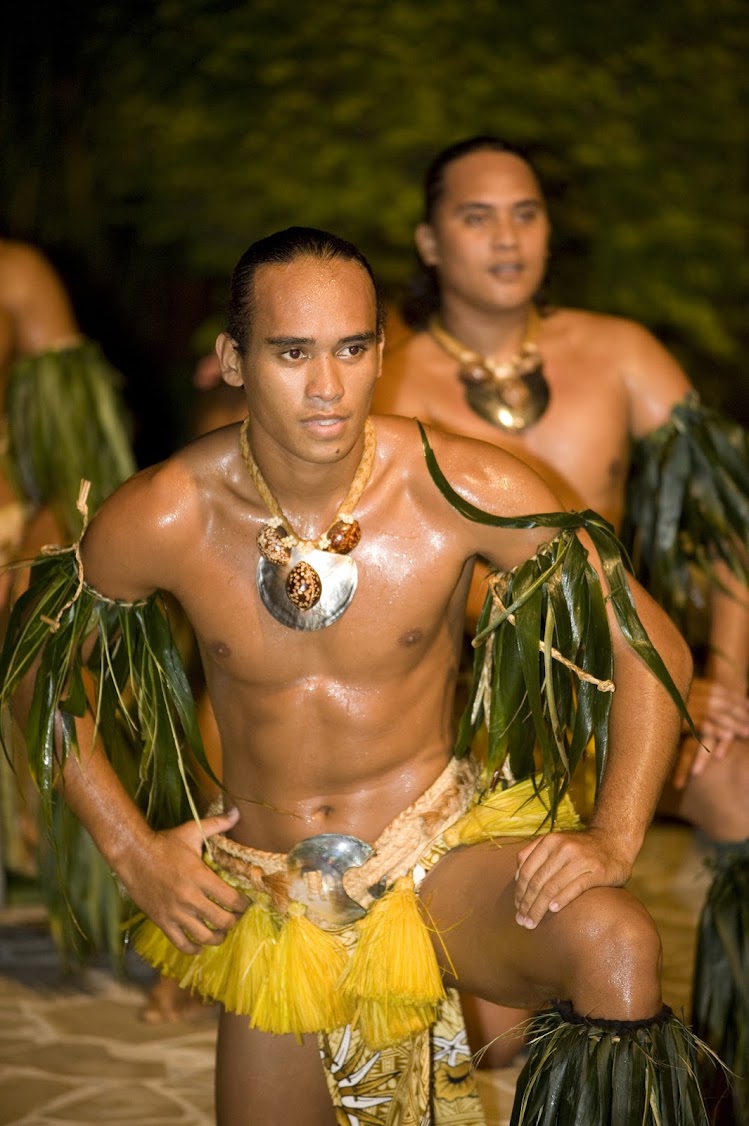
<point x="382" y="1023"/>
<point x="300" y="992"/>
<point x="517" y="812"/>
<point x="236" y="970"/>
<point x="394" y="961"/>
<point x="160" y="952"/>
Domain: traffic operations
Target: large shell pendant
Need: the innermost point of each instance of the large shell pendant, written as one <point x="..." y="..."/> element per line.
<point x="336" y="574"/>
<point x="512" y="404"/>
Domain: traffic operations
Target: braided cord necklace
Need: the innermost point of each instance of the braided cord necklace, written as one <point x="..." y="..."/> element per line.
<point x="307" y="584"/>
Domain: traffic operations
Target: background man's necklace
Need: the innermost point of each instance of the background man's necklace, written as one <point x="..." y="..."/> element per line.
<point x="307" y="584"/>
<point x="511" y="394"/>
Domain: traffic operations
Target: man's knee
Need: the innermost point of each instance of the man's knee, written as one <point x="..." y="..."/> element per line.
<point x="617" y="957"/>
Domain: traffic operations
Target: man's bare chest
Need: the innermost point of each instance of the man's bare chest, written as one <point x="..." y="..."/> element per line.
<point x="580" y="444"/>
<point x="397" y="609"/>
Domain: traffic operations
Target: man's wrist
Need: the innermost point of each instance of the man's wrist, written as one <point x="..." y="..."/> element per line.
<point x="624" y="840"/>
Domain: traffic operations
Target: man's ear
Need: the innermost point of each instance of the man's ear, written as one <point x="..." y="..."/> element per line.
<point x="426" y="244"/>
<point x="229" y="361"/>
<point x="380" y="350"/>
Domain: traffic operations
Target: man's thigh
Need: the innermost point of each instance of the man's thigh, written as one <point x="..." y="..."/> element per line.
<point x="262" y="1078"/>
<point x="469" y="901"/>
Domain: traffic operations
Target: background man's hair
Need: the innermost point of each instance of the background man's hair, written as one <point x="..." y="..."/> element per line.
<point x="434" y="178"/>
<point x="421" y="299"/>
<point x="282" y="247"/>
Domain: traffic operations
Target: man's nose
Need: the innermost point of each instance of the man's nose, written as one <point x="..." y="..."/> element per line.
<point x="505" y="233"/>
<point x="324" y="383"/>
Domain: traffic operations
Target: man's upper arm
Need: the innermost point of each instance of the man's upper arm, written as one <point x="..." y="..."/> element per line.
<point x="655" y="381"/>
<point x="135" y="540"/>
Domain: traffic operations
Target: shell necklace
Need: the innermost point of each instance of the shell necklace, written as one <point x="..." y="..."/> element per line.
<point x="307" y="584"/>
<point x="511" y="394"/>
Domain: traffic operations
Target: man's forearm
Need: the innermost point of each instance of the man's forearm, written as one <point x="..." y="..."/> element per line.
<point x="644" y="735"/>
<point x="728" y="660"/>
<point x="95" y="794"/>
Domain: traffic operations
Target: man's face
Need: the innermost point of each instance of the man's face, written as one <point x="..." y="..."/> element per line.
<point x="313" y="356"/>
<point x="489" y="235"/>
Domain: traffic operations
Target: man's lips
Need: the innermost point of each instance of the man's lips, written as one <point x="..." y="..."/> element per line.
<point x="506" y="269"/>
<point x="324" y="420"/>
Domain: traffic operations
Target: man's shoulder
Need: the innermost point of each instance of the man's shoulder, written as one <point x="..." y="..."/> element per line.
<point x="585" y="327"/>
<point x="410" y="344"/>
<point x="22" y="265"/>
<point x="161" y="511"/>
<point x="408" y="371"/>
<point x="460" y="457"/>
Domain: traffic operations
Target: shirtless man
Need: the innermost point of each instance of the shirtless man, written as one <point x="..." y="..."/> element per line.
<point x="35" y="315"/>
<point x="484" y="245"/>
<point x="312" y="721"/>
<point x="38" y="327"/>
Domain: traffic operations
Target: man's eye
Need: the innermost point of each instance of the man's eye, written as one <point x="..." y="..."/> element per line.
<point x="527" y="215"/>
<point x="475" y="219"/>
<point x="293" y="353"/>
<point x="354" y="350"/>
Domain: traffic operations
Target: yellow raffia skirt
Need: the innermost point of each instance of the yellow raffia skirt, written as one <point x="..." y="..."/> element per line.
<point x="379" y="975"/>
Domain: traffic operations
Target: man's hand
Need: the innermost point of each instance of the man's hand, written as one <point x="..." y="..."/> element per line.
<point x="720" y="716"/>
<point x="169" y="880"/>
<point x="557" y="867"/>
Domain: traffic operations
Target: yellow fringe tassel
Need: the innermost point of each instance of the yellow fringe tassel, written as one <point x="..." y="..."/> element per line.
<point x="236" y="970"/>
<point x="160" y="952"/>
<point x="394" y="962"/>
<point x="300" y="992"/>
<point x="517" y="812"/>
<point x="382" y="1024"/>
<point x="233" y="971"/>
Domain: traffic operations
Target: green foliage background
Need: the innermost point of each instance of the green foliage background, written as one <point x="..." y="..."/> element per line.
<point x="152" y="142"/>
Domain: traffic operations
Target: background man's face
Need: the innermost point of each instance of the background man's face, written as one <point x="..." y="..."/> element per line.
<point x="313" y="356"/>
<point x="489" y="235"/>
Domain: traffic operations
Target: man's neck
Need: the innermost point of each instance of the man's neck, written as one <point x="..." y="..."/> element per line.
<point x="309" y="492"/>
<point x="495" y="333"/>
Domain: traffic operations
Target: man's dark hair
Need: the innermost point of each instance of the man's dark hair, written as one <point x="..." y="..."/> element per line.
<point x="422" y="296"/>
<point x="286" y="246"/>
<point x="434" y="179"/>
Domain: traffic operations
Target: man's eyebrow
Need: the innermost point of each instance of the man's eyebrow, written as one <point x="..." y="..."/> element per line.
<point x="471" y="205"/>
<point x="359" y="338"/>
<point x="297" y="341"/>
<point x="479" y="205"/>
<point x="289" y="341"/>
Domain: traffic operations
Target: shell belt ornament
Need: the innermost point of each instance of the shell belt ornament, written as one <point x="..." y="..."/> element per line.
<point x="308" y="584"/>
<point x="511" y="395"/>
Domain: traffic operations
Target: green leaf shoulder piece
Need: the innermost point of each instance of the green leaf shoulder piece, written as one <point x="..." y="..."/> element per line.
<point x="688" y="503"/>
<point x="543" y="658"/>
<point x="116" y="662"/>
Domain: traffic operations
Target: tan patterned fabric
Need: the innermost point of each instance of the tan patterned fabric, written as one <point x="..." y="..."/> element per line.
<point x="425" y="1081"/>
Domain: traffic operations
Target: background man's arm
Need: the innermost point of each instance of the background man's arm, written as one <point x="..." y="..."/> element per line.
<point x="718" y="701"/>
